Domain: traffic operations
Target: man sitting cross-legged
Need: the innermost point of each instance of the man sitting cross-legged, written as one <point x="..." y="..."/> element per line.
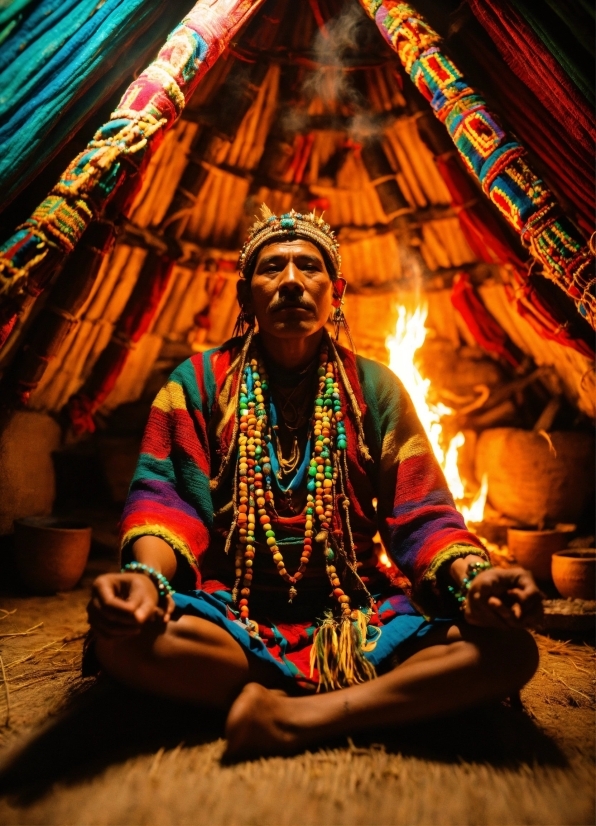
<point x="254" y="498"/>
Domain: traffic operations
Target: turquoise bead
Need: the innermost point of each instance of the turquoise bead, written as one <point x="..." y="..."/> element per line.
<point x="310" y="486"/>
<point x="342" y="444"/>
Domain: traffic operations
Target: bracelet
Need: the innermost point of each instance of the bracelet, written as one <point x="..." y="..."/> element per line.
<point x="461" y="593"/>
<point x="164" y="588"/>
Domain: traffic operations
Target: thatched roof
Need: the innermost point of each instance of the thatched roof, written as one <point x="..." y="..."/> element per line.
<point x="313" y="110"/>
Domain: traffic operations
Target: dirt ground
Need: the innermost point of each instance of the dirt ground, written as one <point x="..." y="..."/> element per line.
<point x="74" y="752"/>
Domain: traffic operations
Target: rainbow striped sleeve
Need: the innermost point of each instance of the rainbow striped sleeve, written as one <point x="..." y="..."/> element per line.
<point x="169" y="495"/>
<point x="419" y="523"/>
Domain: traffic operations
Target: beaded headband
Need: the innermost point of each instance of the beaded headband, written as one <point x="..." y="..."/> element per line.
<point x="287" y="227"/>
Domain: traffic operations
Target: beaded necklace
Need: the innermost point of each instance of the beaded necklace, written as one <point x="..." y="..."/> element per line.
<point x="254" y="481"/>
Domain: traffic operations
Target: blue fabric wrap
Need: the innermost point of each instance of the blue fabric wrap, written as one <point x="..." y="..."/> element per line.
<point x="213" y="608"/>
<point x="57" y="68"/>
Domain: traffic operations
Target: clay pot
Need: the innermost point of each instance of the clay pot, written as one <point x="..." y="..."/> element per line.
<point x="51" y="553"/>
<point x="574" y="573"/>
<point x="533" y="549"/>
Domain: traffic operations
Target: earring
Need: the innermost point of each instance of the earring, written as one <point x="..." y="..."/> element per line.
<point x="245" y="321"/>
<point x="340" y="286"/>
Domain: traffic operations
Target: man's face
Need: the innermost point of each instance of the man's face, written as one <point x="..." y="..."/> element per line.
<point x="290" y="291"/>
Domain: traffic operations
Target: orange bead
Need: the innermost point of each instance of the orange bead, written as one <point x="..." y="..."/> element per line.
<point x="337" y="592"/>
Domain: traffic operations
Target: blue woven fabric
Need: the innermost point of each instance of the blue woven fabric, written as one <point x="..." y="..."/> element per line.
<point x="57" y="67"/>
<point x="215" y="608"/>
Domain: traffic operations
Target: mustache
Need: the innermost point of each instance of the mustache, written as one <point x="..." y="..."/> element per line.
<point x="298" y="303"/>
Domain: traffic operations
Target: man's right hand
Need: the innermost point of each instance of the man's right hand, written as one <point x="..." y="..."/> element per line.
<point x="122" y="603"/>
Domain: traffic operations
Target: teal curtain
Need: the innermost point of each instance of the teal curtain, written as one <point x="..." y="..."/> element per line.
<point x="60" y="62"/>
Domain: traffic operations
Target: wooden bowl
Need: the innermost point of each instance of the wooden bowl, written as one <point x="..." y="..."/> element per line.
<point x="50" y="552"/>
<point x="574" y="573"/>
<point x="533" y="549"/>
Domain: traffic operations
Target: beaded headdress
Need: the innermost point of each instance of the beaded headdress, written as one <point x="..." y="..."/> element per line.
<point x="289" y="226"/>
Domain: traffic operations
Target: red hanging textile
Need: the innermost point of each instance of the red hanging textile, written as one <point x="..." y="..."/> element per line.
<point x="538" y="68"/>
<point x="483" y="326"/>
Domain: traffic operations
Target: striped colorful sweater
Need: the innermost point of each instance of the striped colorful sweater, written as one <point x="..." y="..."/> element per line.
<point x="182" y="488"/>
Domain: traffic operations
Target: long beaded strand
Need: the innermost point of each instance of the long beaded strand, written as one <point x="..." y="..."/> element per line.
<point x="255" y="493"/>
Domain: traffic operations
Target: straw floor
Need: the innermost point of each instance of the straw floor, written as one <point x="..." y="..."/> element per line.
<point x="74" y="751"/>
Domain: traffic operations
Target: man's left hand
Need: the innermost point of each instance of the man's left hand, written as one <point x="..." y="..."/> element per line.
<point x="503" y="597"/>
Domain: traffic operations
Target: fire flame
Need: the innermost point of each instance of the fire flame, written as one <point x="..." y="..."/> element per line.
<point x="410" y="333"/>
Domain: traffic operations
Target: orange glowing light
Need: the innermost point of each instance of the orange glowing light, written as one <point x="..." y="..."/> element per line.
<point x="410" y="333"/>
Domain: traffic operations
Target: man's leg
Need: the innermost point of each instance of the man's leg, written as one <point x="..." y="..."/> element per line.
<point x="188" y="659"/>
<point x="459" y="668"/>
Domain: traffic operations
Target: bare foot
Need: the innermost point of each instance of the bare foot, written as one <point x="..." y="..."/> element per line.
<point x="260" y="723"/>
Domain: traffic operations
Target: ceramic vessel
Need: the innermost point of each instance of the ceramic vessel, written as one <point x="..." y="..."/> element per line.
<point x="51" y="553"/>
<point x="533" y="549"/>
<point x="574" y="573"/>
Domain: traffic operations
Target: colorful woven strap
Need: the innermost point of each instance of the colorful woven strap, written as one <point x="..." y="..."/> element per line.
<point x="150" y="106"/>
<point x="495" y="158"/>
